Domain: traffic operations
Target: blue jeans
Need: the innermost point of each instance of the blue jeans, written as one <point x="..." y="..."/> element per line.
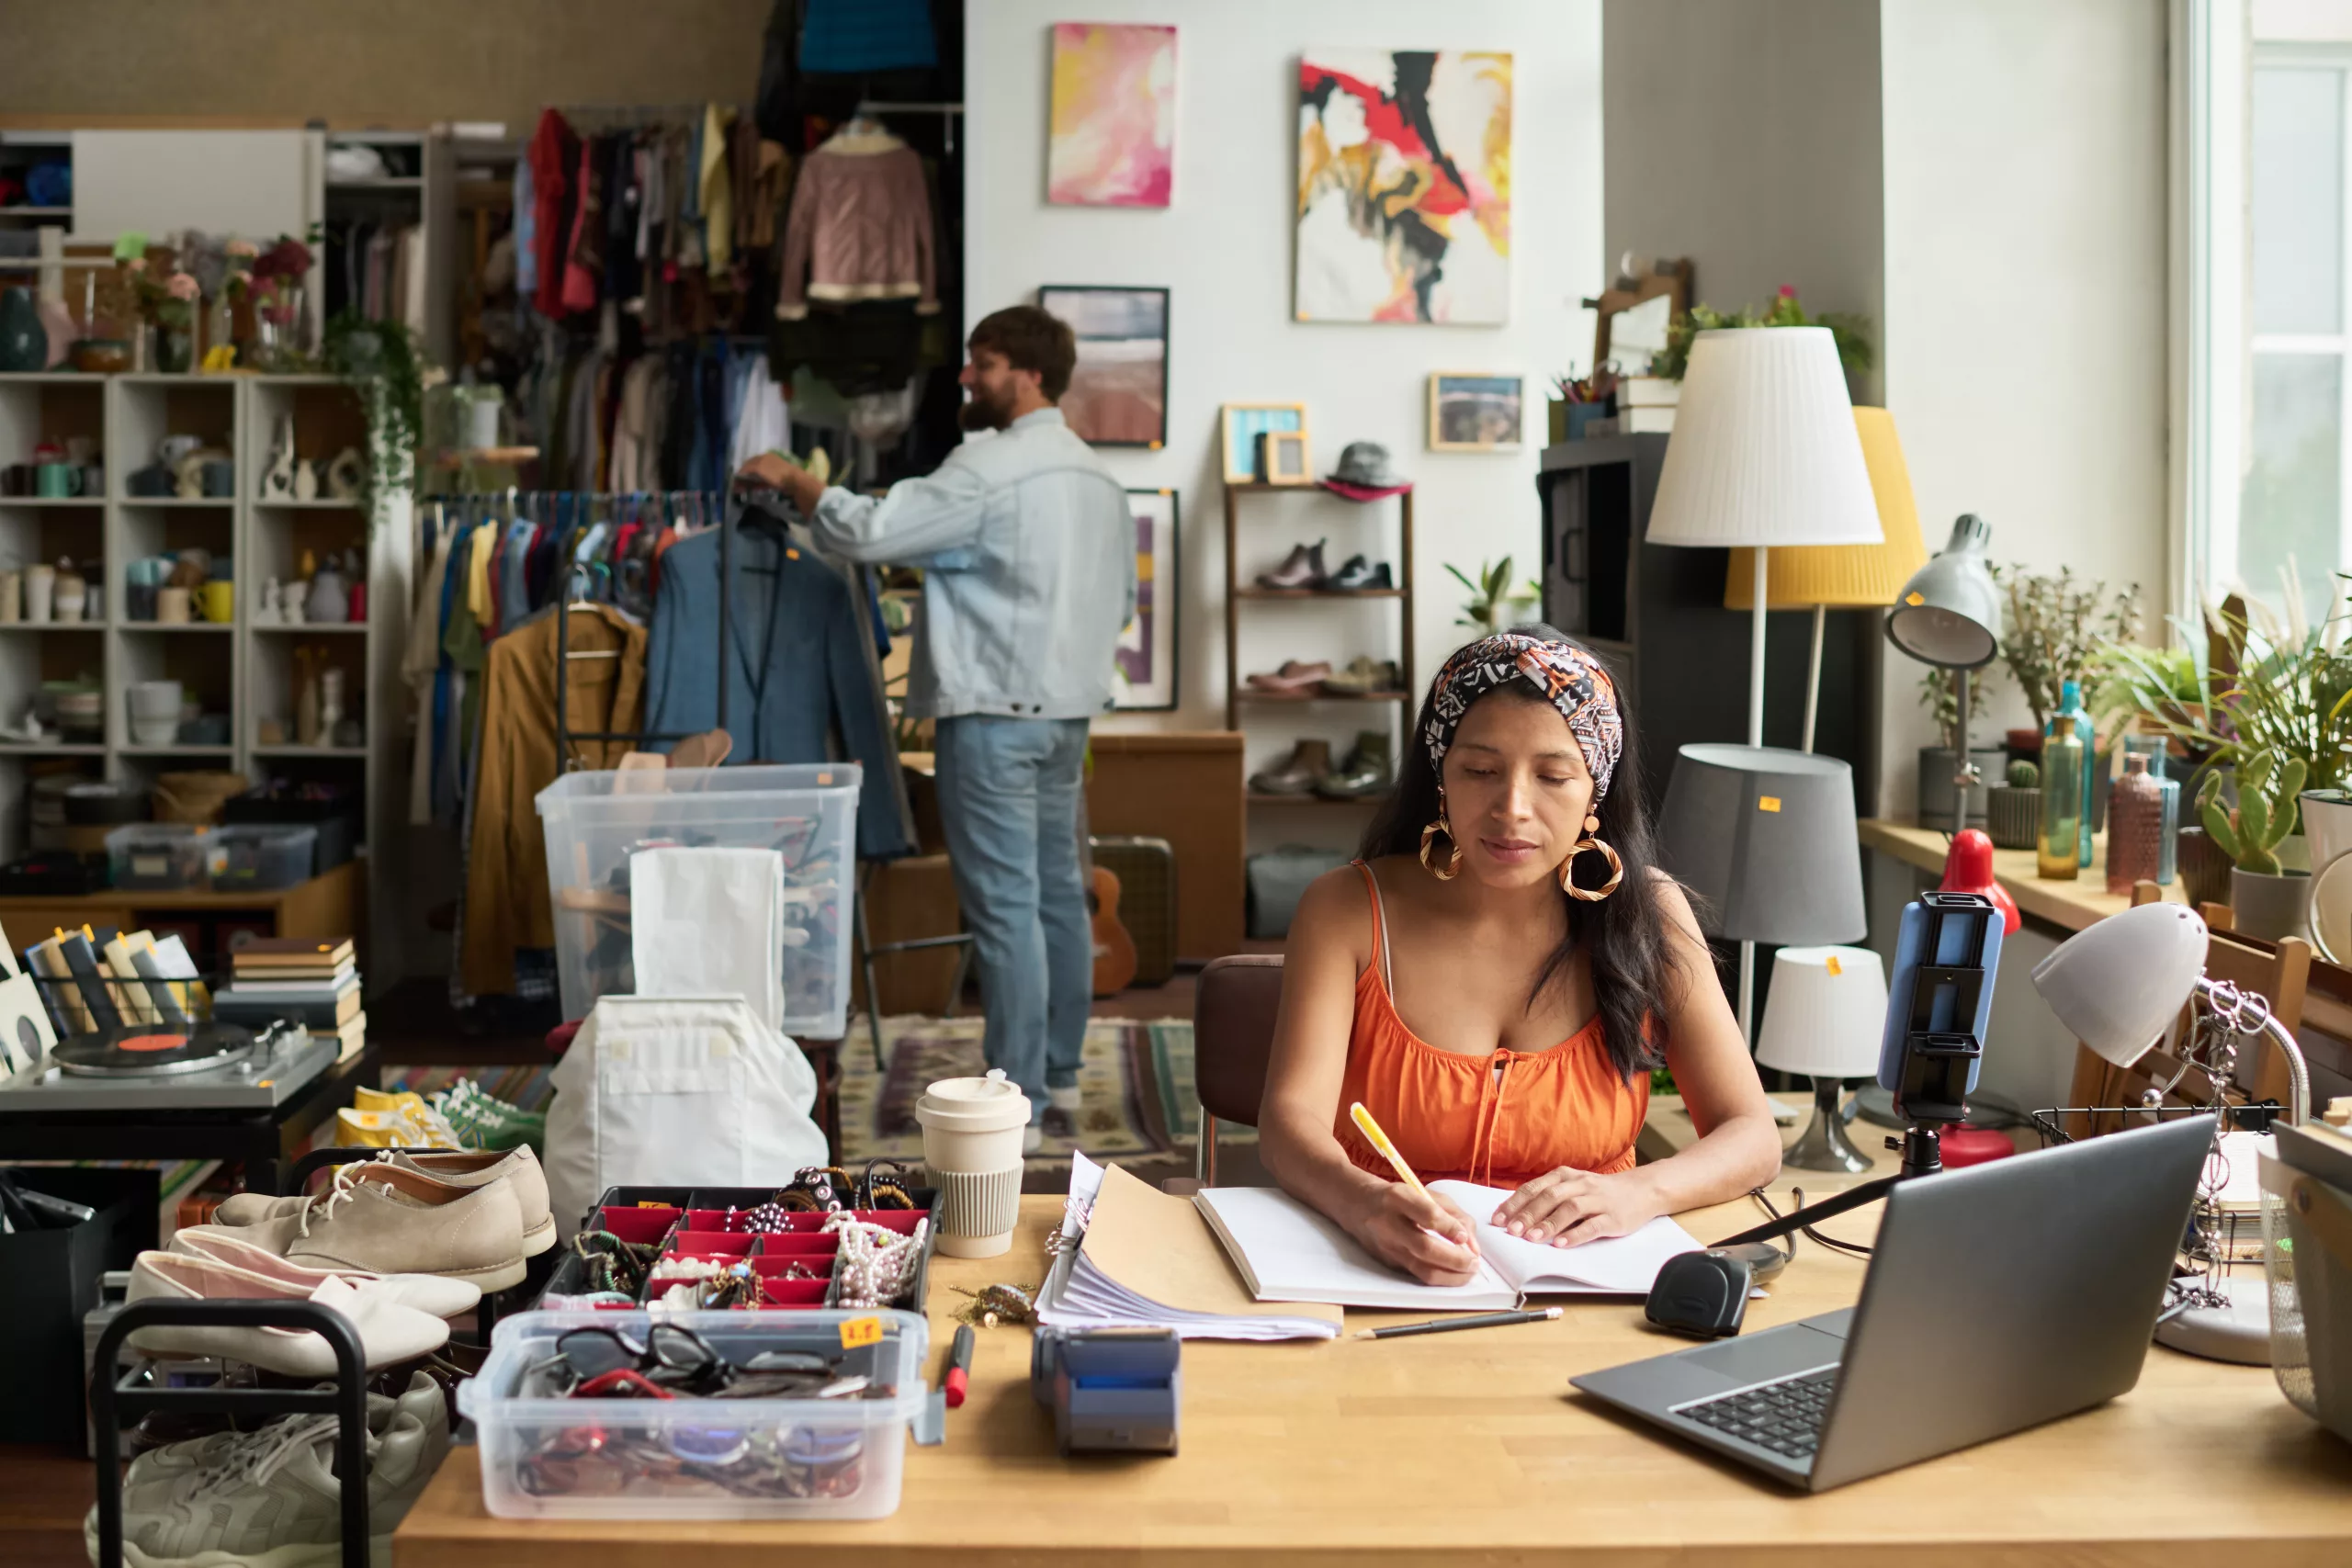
<point x="1009" y="802"/>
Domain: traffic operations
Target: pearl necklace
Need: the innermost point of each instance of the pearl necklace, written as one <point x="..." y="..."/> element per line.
<point x="876" y="1264"/>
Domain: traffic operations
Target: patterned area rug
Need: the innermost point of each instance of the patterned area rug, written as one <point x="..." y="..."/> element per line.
<point x="1125" y="1093"/>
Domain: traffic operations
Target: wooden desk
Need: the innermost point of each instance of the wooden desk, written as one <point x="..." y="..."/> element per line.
<point x="1472" y="1447"/>
<point x="2070" y="905"/>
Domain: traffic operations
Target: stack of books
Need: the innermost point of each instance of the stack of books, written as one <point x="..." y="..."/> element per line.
<point x="314" y="982"/>
<point x="106" y="979"/>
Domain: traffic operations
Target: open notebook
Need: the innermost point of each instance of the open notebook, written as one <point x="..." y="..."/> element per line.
<point x="1289" y="1252"/>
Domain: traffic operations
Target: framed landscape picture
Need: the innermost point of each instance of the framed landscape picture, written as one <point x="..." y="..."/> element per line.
<point x="1147" y="650"/>
<point x="1118" y="394"/>
<point x="1475" y="412"/>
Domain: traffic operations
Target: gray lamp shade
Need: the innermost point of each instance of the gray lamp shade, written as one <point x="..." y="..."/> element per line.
<point x="1766" y="837"/>
<point x="1949" y="612"/>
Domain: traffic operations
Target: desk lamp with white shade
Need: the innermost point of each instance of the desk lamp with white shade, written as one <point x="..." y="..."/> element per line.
<point x="1824" y="1017"/>
<point x="1765" y="454"/>
<point x="2118" y="985"/>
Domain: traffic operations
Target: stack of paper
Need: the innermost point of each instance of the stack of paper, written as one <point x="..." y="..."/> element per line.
<point x="1147" y="1258"/>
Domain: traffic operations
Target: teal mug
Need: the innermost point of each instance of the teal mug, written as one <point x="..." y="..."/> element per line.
<point x="58" y="480"/>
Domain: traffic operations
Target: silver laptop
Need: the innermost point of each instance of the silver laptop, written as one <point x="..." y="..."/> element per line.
<point x="2001" y="1296"/>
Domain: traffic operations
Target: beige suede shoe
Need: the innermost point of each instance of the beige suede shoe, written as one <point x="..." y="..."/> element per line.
<point x="428" y="1293"/>
<point x="472" y="1168"/>
<point x="461" y="1170"/>
<point x="389" y="1332"/>
<point x="388" y="1220"/>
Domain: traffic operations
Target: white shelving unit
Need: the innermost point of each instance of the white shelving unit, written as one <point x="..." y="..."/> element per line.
<point x="240" y="669"/>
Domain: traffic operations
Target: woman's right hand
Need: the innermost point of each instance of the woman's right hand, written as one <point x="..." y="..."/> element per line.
<point x="1420" y="1233"/>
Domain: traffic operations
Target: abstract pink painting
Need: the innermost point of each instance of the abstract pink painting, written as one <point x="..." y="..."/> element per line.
<point x="1114" y="136"/>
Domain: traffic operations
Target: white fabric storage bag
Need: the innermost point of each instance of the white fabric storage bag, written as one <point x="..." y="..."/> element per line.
<point x="676" y="1092"/>
<point x="708" y="921"/>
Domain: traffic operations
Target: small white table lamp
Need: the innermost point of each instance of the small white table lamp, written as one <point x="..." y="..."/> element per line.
<point x="1824" y="1017"/>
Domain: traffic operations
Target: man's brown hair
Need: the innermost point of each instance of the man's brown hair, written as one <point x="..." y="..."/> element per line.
<point x="1030" y="338"/>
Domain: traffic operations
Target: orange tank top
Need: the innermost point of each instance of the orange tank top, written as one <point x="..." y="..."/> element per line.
<point x="1499" y="1118"/>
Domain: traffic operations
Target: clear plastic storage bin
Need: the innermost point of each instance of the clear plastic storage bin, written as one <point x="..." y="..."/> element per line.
<point x="595" y="821"/>
<point x="158" y="857"/>
<point x="257" y="859"/>
<point x="787" y="1458"/>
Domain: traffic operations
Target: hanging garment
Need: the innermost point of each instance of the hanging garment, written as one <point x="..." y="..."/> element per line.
<point x="526" y="243"/>
<point x="507" y="874"/>
<point x="764" y="424"/>
<point x="763" y="203"/>
<point x="794" y="671"/>
<point x="583" y="261"/>
<point x="624" y="199"/>
<point x="860" y="227"/>
<point x="717" y="186"/>
<point x="554" y="152"/>
<point x="420" y="661"/>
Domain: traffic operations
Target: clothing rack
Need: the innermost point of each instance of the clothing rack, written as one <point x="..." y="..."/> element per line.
<point x="947" y="113"/>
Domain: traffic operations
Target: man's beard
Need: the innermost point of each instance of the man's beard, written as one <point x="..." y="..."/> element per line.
<point x="982" y="413"/>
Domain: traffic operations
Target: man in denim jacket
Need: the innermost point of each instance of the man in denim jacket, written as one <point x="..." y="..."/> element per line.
<point x="1028" y="552"/>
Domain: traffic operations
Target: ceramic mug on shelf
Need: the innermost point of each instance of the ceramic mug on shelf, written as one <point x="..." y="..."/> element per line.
<point x="57" y="481"/>
<point x="40" y="590"/>
<point x="172" y="606"/>
<point x="217" y="601"/>
<point x="12" y="597"/>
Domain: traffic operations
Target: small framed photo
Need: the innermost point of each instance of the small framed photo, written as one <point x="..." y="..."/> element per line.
<point x="1475" y="412"/>
<point x="1281" y="457"/>
<point x="1241" y="424"/>
<point x="1146" y="656"/>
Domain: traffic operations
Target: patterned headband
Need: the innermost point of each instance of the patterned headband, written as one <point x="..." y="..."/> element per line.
<point x="1570" y="679"/>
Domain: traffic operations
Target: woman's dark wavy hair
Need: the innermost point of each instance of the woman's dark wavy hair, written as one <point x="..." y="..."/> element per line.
<point x="1634" y="977"/>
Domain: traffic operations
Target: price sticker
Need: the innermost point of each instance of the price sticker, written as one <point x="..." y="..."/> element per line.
<point x="861" y="1331"/>
<point x="1767" y="803"/>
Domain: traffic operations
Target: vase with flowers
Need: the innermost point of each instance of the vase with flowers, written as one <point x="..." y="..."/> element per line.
<point x="167" y="308"/>
<point x="278" y="316"/>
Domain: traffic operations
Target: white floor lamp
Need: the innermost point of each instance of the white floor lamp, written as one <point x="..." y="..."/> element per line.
<point x="1764" y="454"/>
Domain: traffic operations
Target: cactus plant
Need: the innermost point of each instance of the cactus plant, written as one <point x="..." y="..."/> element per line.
<point x="2024" y="774"/>
<point x="2266" y="813"/>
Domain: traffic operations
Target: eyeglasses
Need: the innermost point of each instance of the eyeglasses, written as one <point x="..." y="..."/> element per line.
<point x="600" y="1362"/>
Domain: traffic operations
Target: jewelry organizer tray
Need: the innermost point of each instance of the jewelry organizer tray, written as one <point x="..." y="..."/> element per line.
<point x="713" y="1224"/>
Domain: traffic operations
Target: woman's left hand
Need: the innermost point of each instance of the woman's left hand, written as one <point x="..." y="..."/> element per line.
<point x="1567" y="1206"/>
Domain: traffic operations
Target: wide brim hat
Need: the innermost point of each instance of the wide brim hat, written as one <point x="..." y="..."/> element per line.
<point x="1363" y="473"/>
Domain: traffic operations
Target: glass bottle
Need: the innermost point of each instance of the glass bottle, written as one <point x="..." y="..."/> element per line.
<point x="2062" y="800"/>
<point x="2157" y="750"/>
<point x="2136" y="826"/>
<point x="2070" y="705"/>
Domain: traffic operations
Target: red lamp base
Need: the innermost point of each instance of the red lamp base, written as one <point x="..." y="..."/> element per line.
<point x="1973" y="1146"/>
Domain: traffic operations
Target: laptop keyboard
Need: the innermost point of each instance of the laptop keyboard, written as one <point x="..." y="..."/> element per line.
<point x="1783" y="1417"/>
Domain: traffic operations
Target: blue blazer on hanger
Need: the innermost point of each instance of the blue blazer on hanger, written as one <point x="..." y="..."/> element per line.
<point x="794" y="673"/>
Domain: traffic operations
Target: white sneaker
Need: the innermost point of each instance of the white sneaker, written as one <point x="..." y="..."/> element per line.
<point x="428" y="1293"/>
<point x="389" y="1332"/>
<point x="1066" y="1099"/>
<point x="1033" y="1138"/>
<point x="270" y="1498"/>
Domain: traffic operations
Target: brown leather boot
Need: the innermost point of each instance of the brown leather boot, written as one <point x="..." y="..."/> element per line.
<point x="1310" y="762"/>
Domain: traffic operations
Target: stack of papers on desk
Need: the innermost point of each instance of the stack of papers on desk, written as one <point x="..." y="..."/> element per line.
<point x="1289" y="1252"/>
<point x="1147" y="1258"/>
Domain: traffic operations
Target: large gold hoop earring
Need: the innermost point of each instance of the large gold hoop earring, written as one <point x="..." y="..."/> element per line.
<point x="1595" y="894"/>
<point x="1453" y="849"/>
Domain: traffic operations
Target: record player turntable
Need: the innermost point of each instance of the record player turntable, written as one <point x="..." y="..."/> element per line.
<point x="151" y="1067"/>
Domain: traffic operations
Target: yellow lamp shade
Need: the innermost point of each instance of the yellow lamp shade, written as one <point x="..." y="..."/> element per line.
<point x="1845" y="576"/>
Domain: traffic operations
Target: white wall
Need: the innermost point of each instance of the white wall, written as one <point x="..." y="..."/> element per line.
<point x="2026" y="314"/>
<point x="1224" y="248"/>
<point x="1757" y="155"/>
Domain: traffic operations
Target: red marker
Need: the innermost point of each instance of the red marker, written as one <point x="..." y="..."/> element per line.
<point x="960" y="1367"/>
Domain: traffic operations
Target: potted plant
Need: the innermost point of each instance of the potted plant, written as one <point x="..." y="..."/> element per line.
<point x="1850" y="332"/>
<point x="387" y="361"/>
<point x="2269" y="901"/>
<point x="167" y="305"/>
<point x="2013" y="808"/>
<point x="1939" y="763"/>
<point x="2055" y="625"/>
<point x="1494" y="605"/>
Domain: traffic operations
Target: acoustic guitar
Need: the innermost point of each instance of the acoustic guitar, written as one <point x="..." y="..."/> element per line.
<point x="1114" y="950"/>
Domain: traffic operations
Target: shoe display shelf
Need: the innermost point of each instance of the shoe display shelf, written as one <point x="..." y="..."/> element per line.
<point x="1244" y="703"/>
<point x="115" y="1401"/>
<point x="245" y="669"/>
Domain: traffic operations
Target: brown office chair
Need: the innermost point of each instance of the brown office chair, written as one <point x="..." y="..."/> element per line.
<point x="1233" y="1036"/>
<point x="2279" y="972"/>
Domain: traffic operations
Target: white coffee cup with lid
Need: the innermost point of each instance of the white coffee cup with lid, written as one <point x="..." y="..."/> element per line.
<point x="972" y="1131"/>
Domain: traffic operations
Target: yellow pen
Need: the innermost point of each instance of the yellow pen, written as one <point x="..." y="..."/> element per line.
<point x="1379" y="1141"/>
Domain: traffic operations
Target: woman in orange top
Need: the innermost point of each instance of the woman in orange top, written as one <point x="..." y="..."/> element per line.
<point x="1498" y="1017"/>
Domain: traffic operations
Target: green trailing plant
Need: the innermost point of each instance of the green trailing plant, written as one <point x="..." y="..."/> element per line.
<point x="1851" y="331"/>
<point x="2054" y="626"/>
<point x="1490" y="594"/>
<point x="2023" y="774"/>
<point x="2266" y="813"/>
<point x="1942" y="696"/>
<point x="386" y="360"/>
